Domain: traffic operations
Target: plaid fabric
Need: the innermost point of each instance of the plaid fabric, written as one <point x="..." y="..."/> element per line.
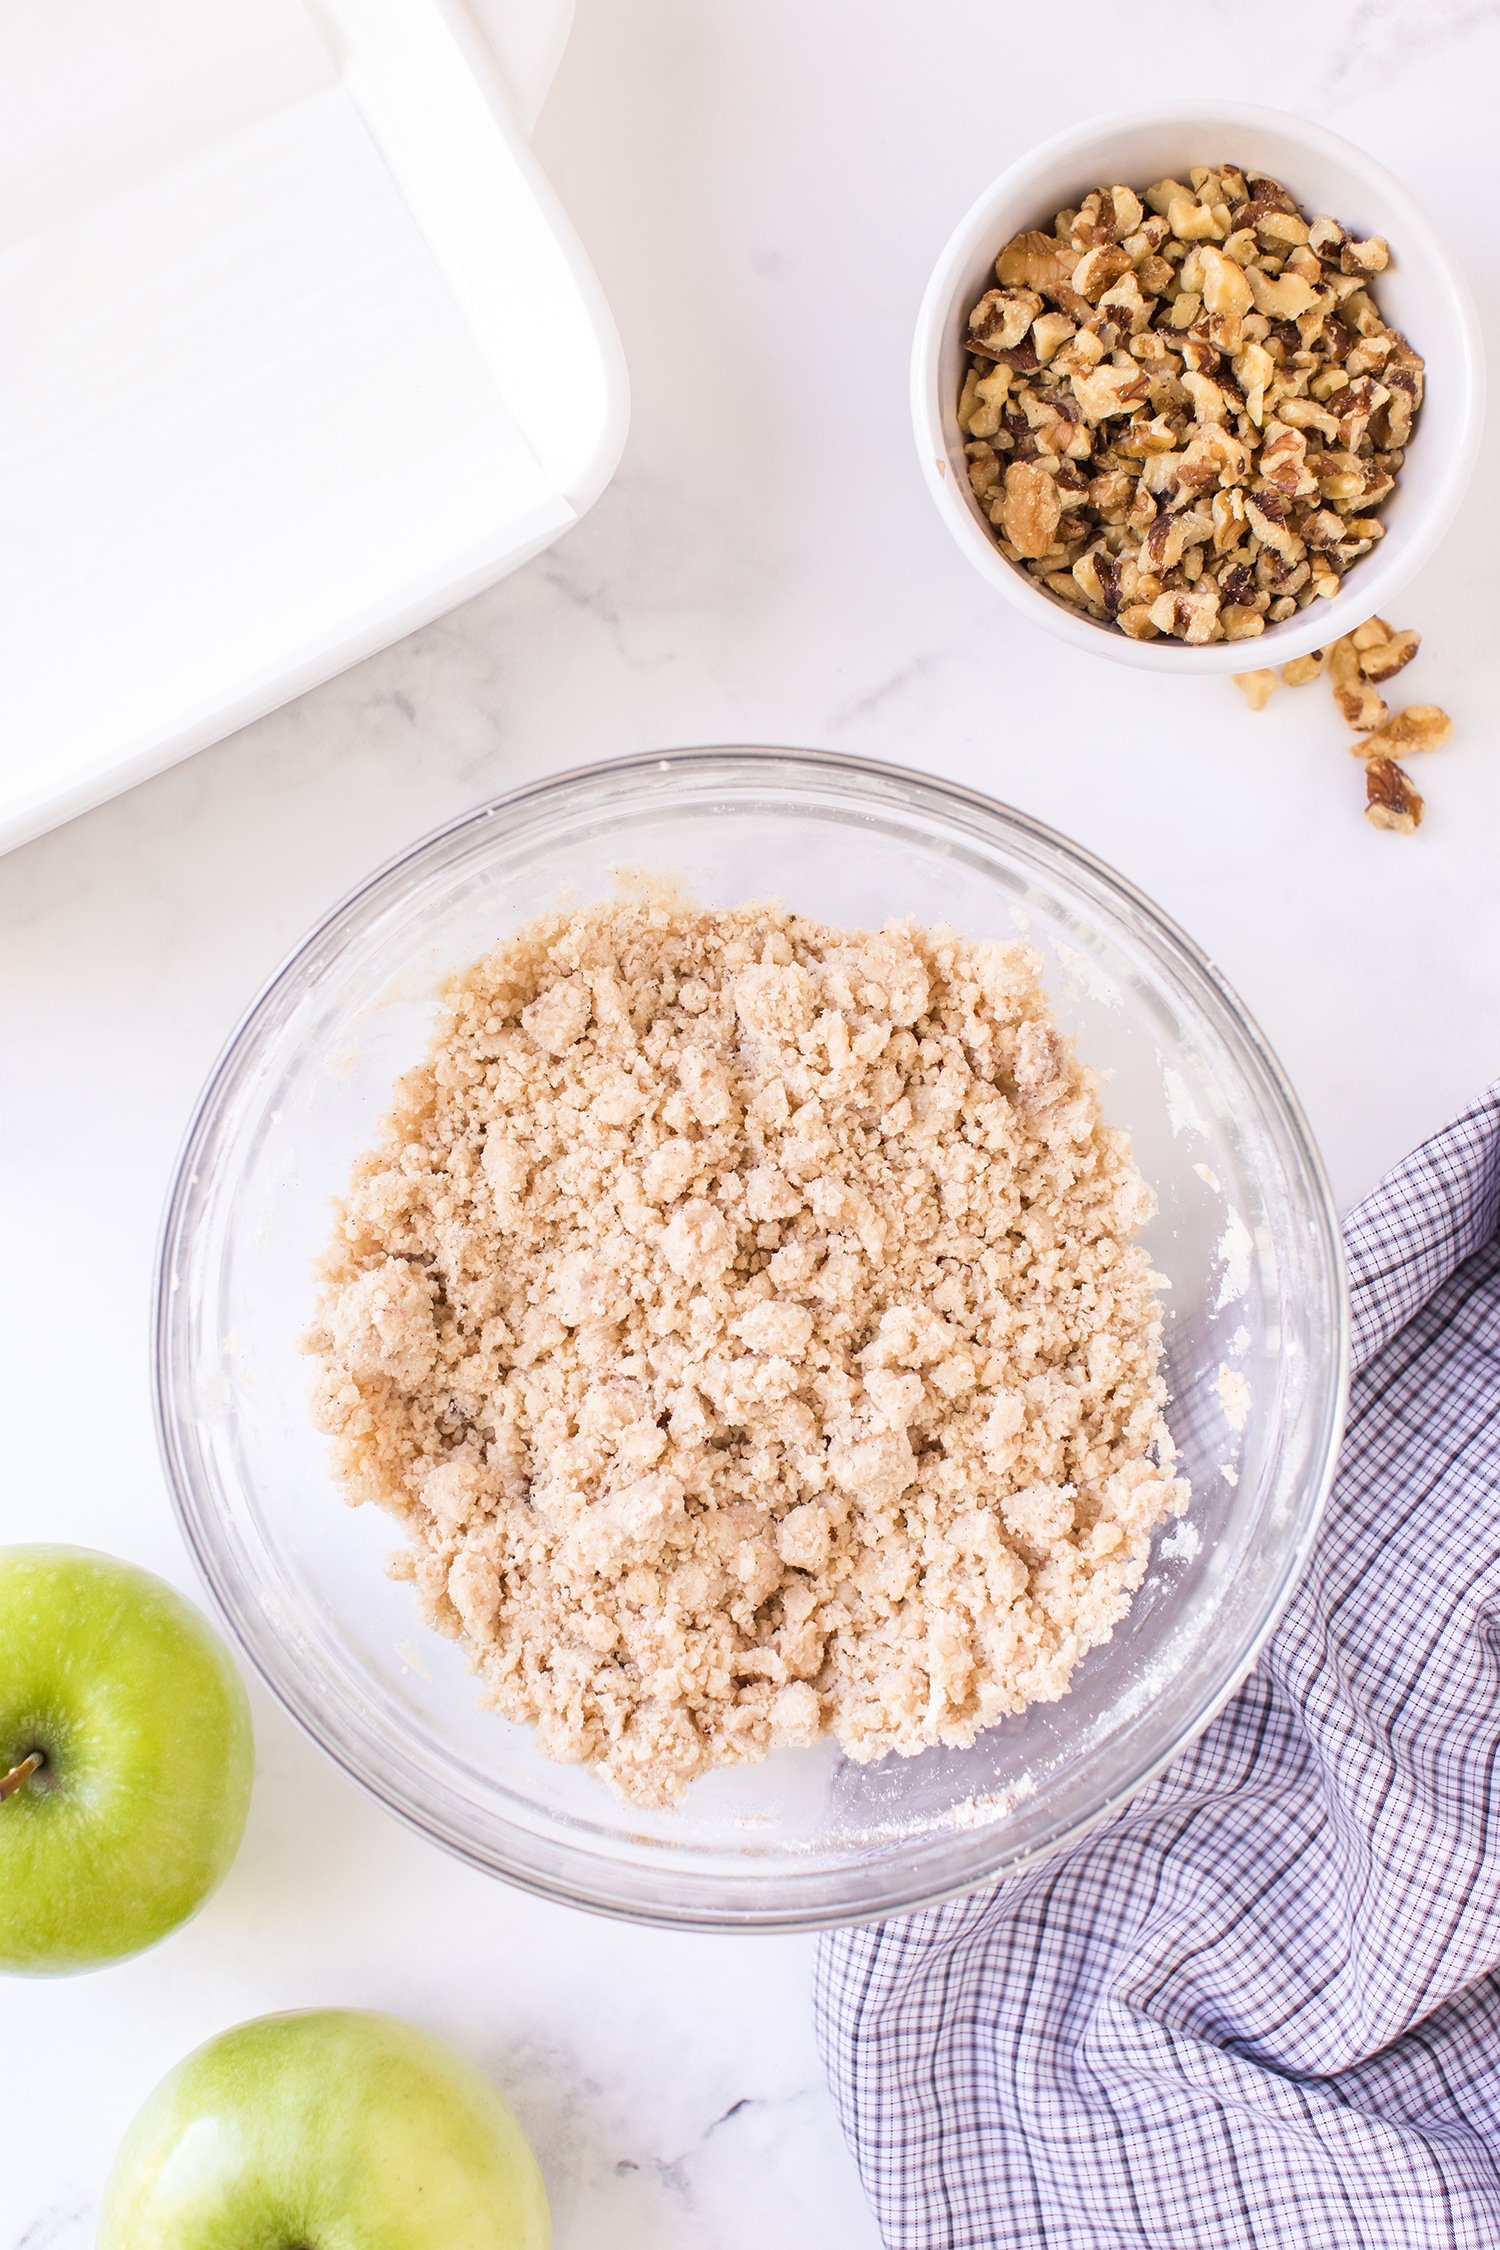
<point x="1262" y="2004"/>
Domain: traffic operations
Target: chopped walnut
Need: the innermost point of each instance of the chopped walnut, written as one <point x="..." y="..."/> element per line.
<point x="1281" y="297"/>
<point x="1110" y="390"/>
<point x="1000" y="320"/>
<point x="1283" y="461"/>
<point x="1036" y="261"/>
<point x="1136" y="621"/>
<point x="1366" y="258"/>
<point x="1099" y="269"/>
<point x="1382" y="653"/>
<point x="1390" y="800"/>
<point x="1189" y="612"/>
<point x="1256" y="687"/>
<point x="1352" y="664"/>
<point x="1199" y="352"/>
<point x="1048" y="332"/>
<point x="1421" y="726"/>
<point x="1322" y="577"/>
<point x="1271" y="522"/>
<point x="1226" y="286"/>
<point x="1359" y="703"/>
<point x="1032" y="508"/>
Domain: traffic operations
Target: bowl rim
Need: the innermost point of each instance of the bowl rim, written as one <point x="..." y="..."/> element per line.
<point x="1380" y="575"/>
<point x="228" y="1598"/>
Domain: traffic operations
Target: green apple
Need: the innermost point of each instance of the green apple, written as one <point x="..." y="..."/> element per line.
<point x="329" y="2129"/>
<point x="125" y="1759"/>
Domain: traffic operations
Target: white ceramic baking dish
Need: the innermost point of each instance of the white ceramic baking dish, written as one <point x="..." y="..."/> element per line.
<point x="300" y="350"/>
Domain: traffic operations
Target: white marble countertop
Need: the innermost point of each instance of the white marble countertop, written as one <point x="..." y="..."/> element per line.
<point x="763" y="191"/>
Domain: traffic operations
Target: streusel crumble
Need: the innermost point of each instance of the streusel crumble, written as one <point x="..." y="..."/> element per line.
<point x="742" y="1317"/>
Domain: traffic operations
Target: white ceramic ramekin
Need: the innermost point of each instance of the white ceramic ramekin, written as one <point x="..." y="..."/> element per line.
<point x="1422" y="293"/>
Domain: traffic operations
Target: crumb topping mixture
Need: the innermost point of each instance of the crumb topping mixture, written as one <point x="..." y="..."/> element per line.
<point x="742" y="1318"/>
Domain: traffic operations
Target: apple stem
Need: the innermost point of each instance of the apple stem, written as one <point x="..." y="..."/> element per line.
<point x="21" y="1774"/>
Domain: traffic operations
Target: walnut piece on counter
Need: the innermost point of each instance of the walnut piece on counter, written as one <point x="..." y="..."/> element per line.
<point x="1390" y="800"/>
<point x="1421" y="726"/>
<point x="1361" y="705"/>
<point x="1256" y="687"/>
<point x="1201" y="375"/>
<point x="1373" y="651"/>
<point x="1382" y="651"/>
<point x="744" y="1320"/>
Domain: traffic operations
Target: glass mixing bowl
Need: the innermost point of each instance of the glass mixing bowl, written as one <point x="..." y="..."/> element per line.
<point x="1246" y="1234"/>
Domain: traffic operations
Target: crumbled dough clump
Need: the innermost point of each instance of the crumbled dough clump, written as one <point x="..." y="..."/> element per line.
<point x="1234" y="1396"/>
<point x="741" y="1316"/>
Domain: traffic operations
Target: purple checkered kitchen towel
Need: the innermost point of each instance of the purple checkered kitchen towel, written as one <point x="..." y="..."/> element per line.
<point x="1261" y="2006"/>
